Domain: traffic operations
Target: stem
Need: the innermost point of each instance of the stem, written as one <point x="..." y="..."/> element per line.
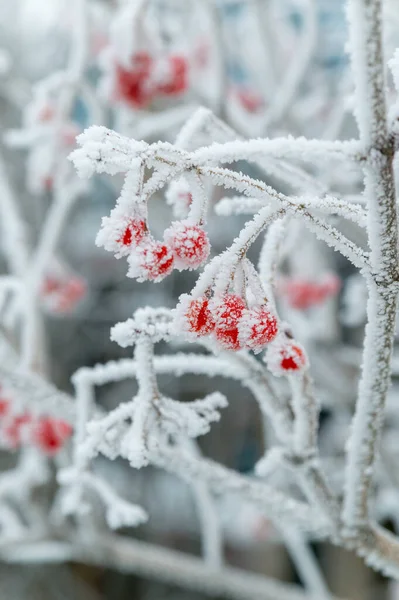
<point x="130" y="555"/>
<point x="306" y="564"/>
<point x="365" y="18"/>
<point x="211" y="533"/>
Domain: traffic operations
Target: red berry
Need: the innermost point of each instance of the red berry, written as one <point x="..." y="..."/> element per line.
<point x="48" y="183"/>
<point x="134" y="233"/>
<point x="152" y="261"/>
<point x="51" y="285"/>
<point x="178" y="81"/>
<point x="189" y="244"/>
<point x="303" y="294"/>
<point x="4" y="407"/>
<point x="198" y="318"/>
<point x="228" y="314"/>
<point x="15" y="429"/>
<point x="50" y="434"/>
<point x="293" y="358"/>
<point x="133" y="85"/>
<point x="72" y="291"/>
<point x="286" y="356"/>
<point x="46" y="113"/>
<point x="250" y="100"/>
<point x="258" y="327"/>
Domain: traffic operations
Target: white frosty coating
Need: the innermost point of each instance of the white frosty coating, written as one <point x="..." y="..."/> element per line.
<point x="119" y="512"/>
<point x="287" y="148"/>
<point x="104" y="151"/>
<point x="153" y="322"/>
<point x="237" y="205"/>
<point x="178" y="196"/>
<point x="199" y="204"/>
<point x="254" y="285"/>
<point x="114" y="436"/>
<point x="129" y="206"/>
<point x="269" y="257"/>
<point x="366" y="44"/>
<point x="394" y="66"/>
<point x="124" y="30"/>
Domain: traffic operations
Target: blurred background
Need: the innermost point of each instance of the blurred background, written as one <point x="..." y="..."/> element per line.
<point x="267" y="68"/>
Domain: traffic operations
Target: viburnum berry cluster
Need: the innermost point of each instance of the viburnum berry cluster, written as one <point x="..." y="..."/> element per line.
<point x="185" y="246"/>
<point x="60" y="295"/>
<point x="302" y="294"/>
<point x="229" y="320"/>
<point x="228" y="304"/>
<point x="19" y="427"/>
<point x="235" y="326"/>
<point x="126" y="232"/>
<point x="146" y="77"/>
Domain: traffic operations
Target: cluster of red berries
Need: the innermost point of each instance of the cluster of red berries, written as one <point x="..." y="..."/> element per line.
<point x="303" y="294"/>
<point x="234" y="325"/>
<point x="45" y="433"/>
<point x="147" y="78"/>
<point x="62" y="294"/>
<point x="185" y="246"/>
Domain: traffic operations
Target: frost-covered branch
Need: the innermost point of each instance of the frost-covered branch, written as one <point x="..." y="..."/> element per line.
<point x="365" y="19"/>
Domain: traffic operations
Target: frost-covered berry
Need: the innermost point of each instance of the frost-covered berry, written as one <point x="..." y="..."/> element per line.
<point x="250" y="100"/>
<point x="120" y="232"/>
<point x="257" y="327"/>
<point x="286" y="356"/>
<point x="189" y="244"/>
<point x="73" y="291"/>
<point x="302" y="294"/>
<point x="177" y="81"/>
<point x="16" y="429"/>
<point x="152" y="261"/>
<point x="61" y="294"/>
<point x="133" y="234"/>
<point x="49" y="434"/>
<point x="228" y="312"/>
<point x="4" y="407"/>
<point x="133" y="85"/>
<point x="193" y="315"/>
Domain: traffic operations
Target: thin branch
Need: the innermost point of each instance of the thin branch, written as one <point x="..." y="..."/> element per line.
<point x="147" y="560"/>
